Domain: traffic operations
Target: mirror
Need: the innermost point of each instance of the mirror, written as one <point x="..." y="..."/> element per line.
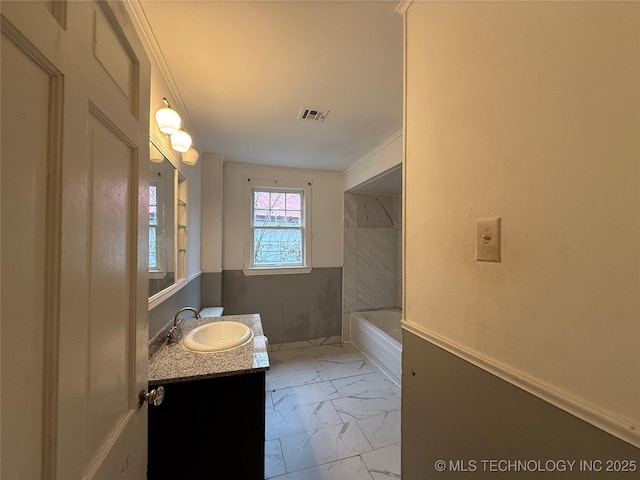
<point x="162" y="201"/>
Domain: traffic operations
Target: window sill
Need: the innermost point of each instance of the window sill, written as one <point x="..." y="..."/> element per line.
<point x="157" y="275"/>
<point x="276" y="271"/>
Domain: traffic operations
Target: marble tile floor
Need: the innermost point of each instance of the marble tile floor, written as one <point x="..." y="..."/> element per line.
<point x="330" y="415"/>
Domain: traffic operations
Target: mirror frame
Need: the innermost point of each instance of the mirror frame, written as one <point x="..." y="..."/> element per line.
<point x="178" y="283"/>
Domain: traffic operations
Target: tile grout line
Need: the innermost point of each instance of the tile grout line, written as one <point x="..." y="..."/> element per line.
<point x="284" y="462"/>
<point x="327" y="463"/>
<point x="310" y="370"/>
<point x="322" y="381"/>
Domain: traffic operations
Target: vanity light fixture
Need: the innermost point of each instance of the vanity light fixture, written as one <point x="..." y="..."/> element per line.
<point x="181" y="141"/>
<point x="190" y="157"/>
<point x="154" y="154"/>
<point x="168" y="119"/>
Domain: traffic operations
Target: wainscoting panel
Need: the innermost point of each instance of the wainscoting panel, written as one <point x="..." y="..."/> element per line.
<point x="292" y="307"/>
<point x="188" y="296"/>
<point x="460" y="414"/>
<point x="211" y="289"/>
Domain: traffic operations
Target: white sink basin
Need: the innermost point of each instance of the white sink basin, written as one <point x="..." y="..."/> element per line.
<point x="217" y="337"/>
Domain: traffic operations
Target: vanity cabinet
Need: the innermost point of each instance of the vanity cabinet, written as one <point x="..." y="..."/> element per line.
<point x="209" y="429"/>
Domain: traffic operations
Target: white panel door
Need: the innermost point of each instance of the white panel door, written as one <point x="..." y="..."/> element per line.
<point x="74" y="150"/>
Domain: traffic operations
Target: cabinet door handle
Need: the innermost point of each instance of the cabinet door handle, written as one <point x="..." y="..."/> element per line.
<point x="154" y="397"/>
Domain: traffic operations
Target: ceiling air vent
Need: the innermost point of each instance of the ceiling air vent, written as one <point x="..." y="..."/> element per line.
<point x="312" y="114"/>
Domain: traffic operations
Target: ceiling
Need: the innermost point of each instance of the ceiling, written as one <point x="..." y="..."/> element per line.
<point x="243" y="71"/>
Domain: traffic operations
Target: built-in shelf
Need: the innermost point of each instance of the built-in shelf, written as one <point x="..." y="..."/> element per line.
<point x="182" y="220"/>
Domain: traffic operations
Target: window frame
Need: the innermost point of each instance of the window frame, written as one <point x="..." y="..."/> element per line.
<point x="250" y="268"/>
<point x="160" y="269"/>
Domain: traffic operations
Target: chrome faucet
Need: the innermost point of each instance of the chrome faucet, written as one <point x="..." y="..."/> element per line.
<point x="174" y="333"/>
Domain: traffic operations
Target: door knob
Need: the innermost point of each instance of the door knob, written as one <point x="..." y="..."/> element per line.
<point x="154" y="397"/>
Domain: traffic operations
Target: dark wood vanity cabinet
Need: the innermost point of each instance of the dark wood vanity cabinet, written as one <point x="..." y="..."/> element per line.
<point x="209" y="429"/>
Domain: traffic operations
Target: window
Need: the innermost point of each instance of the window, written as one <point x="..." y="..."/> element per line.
<point x="279" y="229"/>
<point x="153" y="225"/>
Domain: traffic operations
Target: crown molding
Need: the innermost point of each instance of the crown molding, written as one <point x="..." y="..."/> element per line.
<point x="367" y="156"/>
<point x="148" y="38"/>
<point x="403" y="6"/>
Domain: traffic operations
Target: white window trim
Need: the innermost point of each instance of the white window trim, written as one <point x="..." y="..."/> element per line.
<point x="248" y="267"/>
<point x="160" y="270"/>
<point x="276" y="270"/>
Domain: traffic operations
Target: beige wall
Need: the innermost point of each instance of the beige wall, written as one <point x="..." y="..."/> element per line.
<point x="212" y="227"/>
<point x="162" y="313"/>
<point x="529" y="111"/>
<point x="326" y="211"/>
<point x="160" y="89"/>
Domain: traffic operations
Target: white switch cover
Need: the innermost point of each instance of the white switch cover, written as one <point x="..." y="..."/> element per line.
<point x="488" y="240"/>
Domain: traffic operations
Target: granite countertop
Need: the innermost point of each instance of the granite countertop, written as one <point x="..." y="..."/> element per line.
<point x="177" y="364"/>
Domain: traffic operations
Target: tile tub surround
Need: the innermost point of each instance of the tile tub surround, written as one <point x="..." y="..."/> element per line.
<point x="372" y="272"/>
<point x="177" y="364"/>
<point x="330" y="415"/>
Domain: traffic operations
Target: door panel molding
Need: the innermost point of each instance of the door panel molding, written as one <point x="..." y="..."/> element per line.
<point x="58" y="10"/>
<point x="52" y="242"/>
<point x="118" y="60"/>
<point x="112" y="243"/>
<point x="133" y="247"/>
<point x="105" y="448"/>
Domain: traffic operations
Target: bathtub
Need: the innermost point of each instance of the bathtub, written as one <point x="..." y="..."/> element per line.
<point x="378" y="335"/>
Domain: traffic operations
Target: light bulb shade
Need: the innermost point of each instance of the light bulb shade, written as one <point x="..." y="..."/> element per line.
<point x="168" y="121"/>
<point x="181" y="141"/>
<point x="190" y="157"/>
<point x="154" y="154"/>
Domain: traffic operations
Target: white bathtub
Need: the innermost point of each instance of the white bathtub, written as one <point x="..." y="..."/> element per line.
<point x="378" y="335"/>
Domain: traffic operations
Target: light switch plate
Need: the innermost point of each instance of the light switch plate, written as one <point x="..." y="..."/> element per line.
<point x="488" y="239"/>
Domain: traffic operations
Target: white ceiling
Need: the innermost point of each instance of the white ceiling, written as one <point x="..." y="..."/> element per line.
<point x="244" y="69"/>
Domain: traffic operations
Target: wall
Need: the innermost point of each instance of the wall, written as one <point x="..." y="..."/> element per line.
<point x="284" y="320"/>
<point x="212" y="228"/>
<point x="160" y="87"/>
<point x="212" y="289"/>
<point x="326" y="211"/>
<point x="372" y="254"/>
<point x="193" y="174"/>
<point x="375" y="163"/>
<point x="161" y="317"/>
<point x="292" y="307"/>
<point x="464" y="421"/>
<point x="527" y="111"/>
